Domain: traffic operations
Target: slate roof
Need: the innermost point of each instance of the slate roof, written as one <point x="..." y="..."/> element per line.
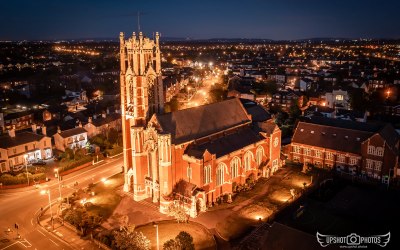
<point x="193" y="123"/>
<point x="226" y="144"/>
<point x="20" y="138"/>
<point x="109" y="118"/>
<point x="72" y="132"/>
<point x="258" y="113"/>
<point x="330" y="137"/>
<point x="341" y="135"/>
<point x="16" y="115"/>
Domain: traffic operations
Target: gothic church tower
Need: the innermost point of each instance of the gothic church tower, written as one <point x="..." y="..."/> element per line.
<point x="141" y="97"/>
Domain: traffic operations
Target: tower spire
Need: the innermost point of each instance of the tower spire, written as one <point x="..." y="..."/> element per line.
<point x="138" y="21"/>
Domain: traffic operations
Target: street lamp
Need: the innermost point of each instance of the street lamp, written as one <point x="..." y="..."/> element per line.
<point x="26" y="168"/>
<point x="156" y="226"/>
<point x="43" y="192"/>
<point x="57" y="174"/>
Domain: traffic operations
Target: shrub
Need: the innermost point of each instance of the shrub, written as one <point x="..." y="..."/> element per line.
<point x="177" y="212"/>
<point x="114" y="150"/>
<point x="8" y="179"/>
<point x="66" y="165"/>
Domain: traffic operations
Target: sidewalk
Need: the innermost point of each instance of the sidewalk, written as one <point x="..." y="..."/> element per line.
<point x="63" y="232"/>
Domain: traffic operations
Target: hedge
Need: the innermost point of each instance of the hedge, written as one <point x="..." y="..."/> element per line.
<point x="8" y="179"/>
<point x="114" y="151"/>
<point x="64" y="166"/>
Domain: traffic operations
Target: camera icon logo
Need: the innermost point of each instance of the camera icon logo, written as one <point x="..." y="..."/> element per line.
<point x="353" y="239"/>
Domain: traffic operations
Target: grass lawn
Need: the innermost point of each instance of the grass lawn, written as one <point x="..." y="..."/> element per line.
<point x="106" y="200"/>
<point x="170" y="229"/>
<point x="234" y="226"/>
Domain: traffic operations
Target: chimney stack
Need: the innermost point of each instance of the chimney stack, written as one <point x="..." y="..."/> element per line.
<point x="104" y="114"/>
<point x="58" y="130"/>
<point x="34" y="128"/>
<point x="44" y="130"/>
<point x="11" y="132"/>
<point x="90" y="119"/>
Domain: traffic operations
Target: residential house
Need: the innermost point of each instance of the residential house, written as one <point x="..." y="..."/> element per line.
<point x="72" y="138"/>
<point x="18" y="149"/>
<point x="103" y="124"/>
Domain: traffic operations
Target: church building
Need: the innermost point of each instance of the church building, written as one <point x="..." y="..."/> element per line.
<point x="196" y="155"/>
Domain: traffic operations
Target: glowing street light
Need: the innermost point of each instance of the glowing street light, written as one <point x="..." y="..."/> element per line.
<point x="158" y="242"/>
<point x="43" y="192"/>
<point x="388" y="93"/>
<point x="57" y="175"/>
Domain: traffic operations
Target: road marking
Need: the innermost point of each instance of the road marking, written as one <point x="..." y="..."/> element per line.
<point x="25" y="241"/>
<point x="53" y="242"/>
<point x="10" y="245"/>
<point x="40" y="232"/>
<point x="22" y="242"/>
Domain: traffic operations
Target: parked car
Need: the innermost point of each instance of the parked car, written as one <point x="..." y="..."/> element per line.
<point x="39" y="162"/>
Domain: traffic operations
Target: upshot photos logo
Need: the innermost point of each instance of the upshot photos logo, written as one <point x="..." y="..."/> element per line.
<point x="353" y="240"/>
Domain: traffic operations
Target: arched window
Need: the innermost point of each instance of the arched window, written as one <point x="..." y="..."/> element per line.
<point x="235" y="163"/>
<point x="259" y="155"/>
<point x="207" y="174"/>
<point x="248" y="157"/>
<point x="220" y="174"/>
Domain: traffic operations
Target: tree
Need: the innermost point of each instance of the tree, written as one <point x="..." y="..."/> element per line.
<point x="177" y="212"/>
<point x="112" y="135"/>
<point x="128" y="239"/>
<point x="69" y="153"/>
<point x="185" y="241"/>
<point x="217" y="93"/>
<point x="171" y="245"/>
<point x="294" y="111"/>
<point x="82" y="220"/>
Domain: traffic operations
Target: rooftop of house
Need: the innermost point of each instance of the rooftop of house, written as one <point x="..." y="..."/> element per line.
<point x="20" y="138"/>
<point x="72" y="132"/>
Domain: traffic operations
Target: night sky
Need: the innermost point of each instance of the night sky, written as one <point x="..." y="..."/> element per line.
<point x="270" y="19"/>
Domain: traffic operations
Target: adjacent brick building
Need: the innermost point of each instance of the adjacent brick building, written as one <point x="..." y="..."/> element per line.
<point x="358" y="148"/>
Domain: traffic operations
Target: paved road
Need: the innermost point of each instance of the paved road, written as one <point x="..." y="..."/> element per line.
<point x="22" y="206"/>
<point x="201" y="96"/>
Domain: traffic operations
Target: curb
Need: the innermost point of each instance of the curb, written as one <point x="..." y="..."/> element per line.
<point x="189" y="222"/>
